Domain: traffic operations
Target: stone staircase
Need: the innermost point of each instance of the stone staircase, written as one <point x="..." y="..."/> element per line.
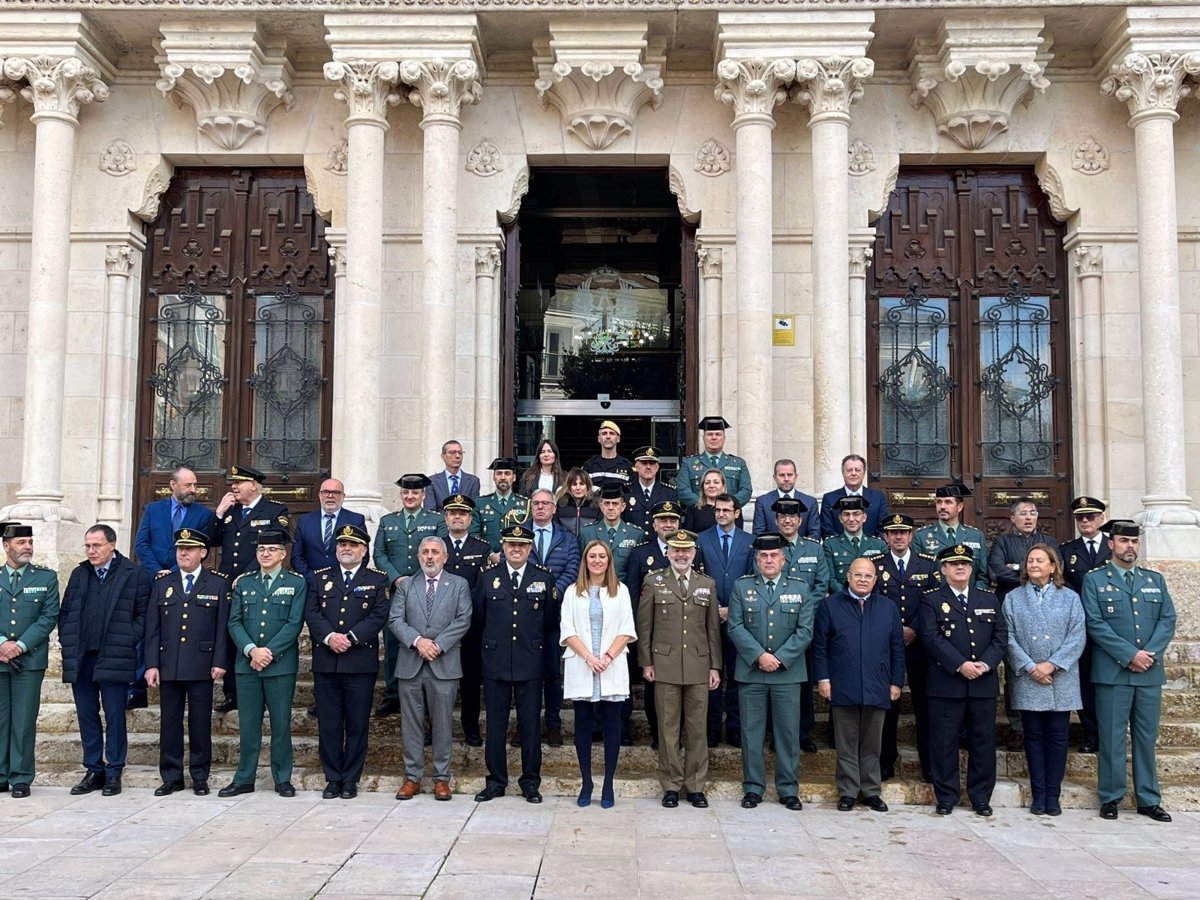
<point x="1179" y="751"/>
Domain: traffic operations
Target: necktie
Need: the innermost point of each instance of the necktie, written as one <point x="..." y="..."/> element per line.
<point x="430" y="587"/>
<point x="541" y="548"/>
<point x="409" y="523"/>
<point x="187" y="584"/>
<point x="854" y="543"/>
<point x="15" y="581"/>
<point x="457" y="546"/>
<point x="176" y="517"/>
<point x="962" y="598"/>
<point x="770" y="591"/>
<point x="683" y="582"/>
<point x="100" y="573"/>
<point x="245" y="513"/>
<point x="647" y="493"/>
<point x="612" y="536"/>
<point x="327" y="530"/>
<point x="950" y="535"/>
<point x="516" y="580"/>
<point x="1091" y="545"/>
<point x="1129" y="580"/>
<point x="725" y="542"/>
<point x="454" y="484"/>
<point x="267" y="579"/>
<point x="347" y="577"/>
<point x="900" y="569"/>
<point x="862" y="605"/>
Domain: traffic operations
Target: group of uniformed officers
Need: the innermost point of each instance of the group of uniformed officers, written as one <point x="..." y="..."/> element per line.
<point x="732" y="630"/>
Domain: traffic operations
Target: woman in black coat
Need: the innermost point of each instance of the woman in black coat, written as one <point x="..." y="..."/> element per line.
<point x="576" y="508"/>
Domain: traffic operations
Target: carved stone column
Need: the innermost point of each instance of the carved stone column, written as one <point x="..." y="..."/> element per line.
<point x="827" y="87"/>
<point x="1151" y="85"/>
<point x="486" y="445"/>
<point x="342" y="364"/>
<point x="1089" y="266"/>
<point x="368" y="88"/>
<point x="710" y="326"/>
<point x="860" y="258"/>
<point x="753" y="87"/>
<point x="441" y="87"/>
<point x="118" y="263"/>
<point x="57" y="88"/>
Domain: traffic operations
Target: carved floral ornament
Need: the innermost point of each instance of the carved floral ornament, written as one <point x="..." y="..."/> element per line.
<point x="862" y="157"/>
<point x="598" y="102"/>
<point x="713" y="158"/>
<point x="368" y="88"/>
<point x="337" y="160"/>
<point x="972" y="105"/>
<point x="7" y="96"/>
<point x="1090" y="157"/>
<point x="118" y="259"/>
<point x="56" y="85"/>
<point x="485" y="159"/>
<point x="118" y="159"/>
<point x="231" y="106"/>
<point x="754" y="87"/>
<point x="442" y="87"/>
<point x="1152" y="83"/>
<point x="828" y="87"/>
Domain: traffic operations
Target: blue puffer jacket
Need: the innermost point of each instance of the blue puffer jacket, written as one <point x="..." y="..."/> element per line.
<point x="124" y="624"/>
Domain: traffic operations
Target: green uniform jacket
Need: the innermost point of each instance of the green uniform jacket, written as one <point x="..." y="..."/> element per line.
<point x="932" y="538"/>
<point x="493" y="513"/>
<point x="32" y="613"/>
<point x="627" y="537"/>
<point x="257" y="619"/>
<point x="395" y="550"/>
<point x="783" y="626"/>
<point x="839" y="553"/>
<point x="692" y="469"/>
<point x="806" y="562"/>
<point x="1121" y="622"/>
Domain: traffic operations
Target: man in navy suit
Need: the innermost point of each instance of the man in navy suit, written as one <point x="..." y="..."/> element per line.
<point x="451" y="480"/>
<point x="644" y="493"/>
<point x="854" y="473"/>
<point x="556" y="549"/>
<point x="726" y="554"/>
<point x="785" y="486"/>
<point x="315" y="544"/>
<point x="155" y="540"/>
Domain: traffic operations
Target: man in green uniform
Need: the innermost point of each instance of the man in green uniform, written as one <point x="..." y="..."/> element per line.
<point x="949" y="500"/>
<point x="734" y="468"/>
<point x="265" y="621"/>
<point x="843" y="549"/>
<point x="503" y="507"/>
<point x="29" y="596"/>
<point x="1130" y="620"/>
<point x="395" y="552"/>
<point x="619" y="535"/>
<point x="770" y="626"/>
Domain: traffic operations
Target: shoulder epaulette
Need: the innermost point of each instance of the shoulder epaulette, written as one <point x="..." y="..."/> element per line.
<point x="162" y="575"/>
<point x="375" y="570"/>
<point x="541" y="567"/>
<point x="875" y="555"/>
<point x="928" y="556"/>
<point x="244" y="574"/>
<point x="34" y="565"/>
<point x="932" y="588"/>
<point x="322" y="569"/>
<point x="220" y="574"/>
<point x="744" y="577"/>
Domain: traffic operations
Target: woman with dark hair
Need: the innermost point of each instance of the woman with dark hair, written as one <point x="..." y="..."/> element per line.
<point x="545" y="471"/>
<point x="701" y="517"/>
<point x="576" y="506"/>
<point x="1046" y="631"/>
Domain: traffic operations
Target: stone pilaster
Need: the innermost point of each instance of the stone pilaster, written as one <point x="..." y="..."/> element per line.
<point x="860" y="258"/>
<point x="711" y="273"/>
<point x="1088" y="260"/>
<point x="119" y="260"/>
<point x="342" y="364"/>
<point x="486" y="445"/>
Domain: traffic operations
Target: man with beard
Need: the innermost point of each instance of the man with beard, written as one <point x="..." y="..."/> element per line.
<point x="503" y="507"/>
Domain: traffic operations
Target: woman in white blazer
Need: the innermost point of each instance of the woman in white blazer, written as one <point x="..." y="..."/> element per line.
<point x="597" y="626"/>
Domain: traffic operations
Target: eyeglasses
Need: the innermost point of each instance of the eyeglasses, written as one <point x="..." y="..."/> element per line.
<point x="330" y="493"/>
<point x="1082" y="516"/>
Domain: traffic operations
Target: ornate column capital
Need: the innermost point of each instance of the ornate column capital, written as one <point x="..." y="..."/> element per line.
<point x="337" y="258"/>
<point x="56" y="87"/>
<point x="118" y="260"/>
<point x="828" y="86"/>
<point x="710" y="262"/>
<point x="754" y="87"/>
<point x="441" y="87"/>
<point x="8" y="94"/>
<point x="1088" y="260"/>
<point x="487" y="262"/>
<point x="860" y="257"/>
<point x="367" y="87"/>
<point x="1152" y="84"/>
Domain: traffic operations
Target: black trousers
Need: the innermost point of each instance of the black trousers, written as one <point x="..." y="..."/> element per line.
<point x="948" y="717"/>
<point x="470" y="686"/>
<point x="635" y="677"/>
<point x="499" y="697"/>
<point x="343" y="721"/>
<point x="723" y="702"/>
<point x="916" y="667"/>
<point x="172" y="695"/>
<point x="1087" y="715"/>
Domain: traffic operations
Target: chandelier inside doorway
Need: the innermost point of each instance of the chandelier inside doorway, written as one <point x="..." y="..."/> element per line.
<point x="608" y="302"/>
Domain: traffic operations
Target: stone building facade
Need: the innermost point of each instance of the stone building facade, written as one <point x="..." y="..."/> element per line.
<point x="800" y="142"/>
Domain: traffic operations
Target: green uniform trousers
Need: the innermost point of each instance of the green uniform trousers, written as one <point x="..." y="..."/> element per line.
<point x="275" y="694"/>
<point x="20" y="700"/>
<point x="1137" y="707"/>
<point x="784" y="702"/>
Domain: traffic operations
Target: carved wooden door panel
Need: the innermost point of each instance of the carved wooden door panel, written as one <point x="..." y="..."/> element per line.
<point x="967" y="346"/>
<point x="237" y="340"/>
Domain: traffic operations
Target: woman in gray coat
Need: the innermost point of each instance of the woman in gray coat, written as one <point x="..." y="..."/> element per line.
<point x="1046" y="634"/>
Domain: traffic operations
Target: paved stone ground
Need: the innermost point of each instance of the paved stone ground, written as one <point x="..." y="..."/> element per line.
<point x="263" y="846"/>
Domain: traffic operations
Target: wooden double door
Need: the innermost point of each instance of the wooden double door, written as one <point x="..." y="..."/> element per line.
<point x="236" y="336"/>
<point x="968" y="347"/>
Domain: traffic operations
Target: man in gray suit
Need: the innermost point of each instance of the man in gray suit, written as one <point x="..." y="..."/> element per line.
<point x="451" y="480"/>
<point x="430" y="615"/>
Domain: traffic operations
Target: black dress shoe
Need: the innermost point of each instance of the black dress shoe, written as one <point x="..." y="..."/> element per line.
<point x="1108" y="810"/>
<point x="876" y="803"/>
<point x="20" y="791"/>
<point x="944" y="809"/>
<point x="1088" y="747"/>
<point x="388" y="708"/>
<point x="349" y="792"/>
<point x="532" y="795"/>
<point x="285" y="789"/>
<point x="792" y="802"/>
<point x="1053" y="809"/>
<point x="92" y="781"/>
<point x="333" y="790"/>
<point x="1156" y="812"/>
<point x="554" y="737"/>
<point x="491" y="792"/>
<point x="168" y="787"/>
<point x="845" y="804"/>
<point x="111" y="788"/>
<point x="750" y="800"/>
<point x="697" y="799"/>
<point x="233" y="789"/>
<point x="1037" y="809"/>
<point x="670" y="799"/>
<point x="200" y="788"/>
<point x="982" y="810"/>
<point x="137" y="701"/>
<point x="474" y="740"/>
<point x="808" y="745"/>
<point x="229" y="704"/>
<point x="626" y="737"/>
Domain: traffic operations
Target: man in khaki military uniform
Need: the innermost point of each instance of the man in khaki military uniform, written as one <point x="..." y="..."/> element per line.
<point x="679" y="647"/>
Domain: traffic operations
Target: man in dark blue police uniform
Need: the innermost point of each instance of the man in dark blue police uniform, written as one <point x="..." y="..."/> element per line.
<point x="467" y="558"/>
<point x="645" y="491"/>
<point x="1080" y="556"/>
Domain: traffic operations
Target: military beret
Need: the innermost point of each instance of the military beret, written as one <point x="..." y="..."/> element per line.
<point x="955" y="489"/>
<point x="191" y="537"/>
<point x="246" y="473"/>
<point x="609" y="423"/>
<point x="769" y="540"/>
<point x="851" y="503"/>
<point x="414" y="482"/>
<point x="503" y="463"/>
<point x="788" y="506"/>
<point x="354" y="533"/>
<point x="272" y="537"/>
<point x="611" y="492"/>
<point x="515" y="534"/>
<point x="713" y="423"/>
<point x="957" y="553"/>
<point x="458" y="501"/>
<point x="682" y="540"/>
<point x="1121" y="528"/>
<point x="646" y="454"/>
<point x="1081" y="505"/>
<point x="666" y="508"/>
<point x="898" y="522"/>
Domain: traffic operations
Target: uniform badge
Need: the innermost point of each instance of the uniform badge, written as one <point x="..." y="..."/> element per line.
<point x="632" y="502"/>
<point x="170" y="591"/>
<point x="658" y="578"/>
<point x="228" y="519"/>
<point x="283" y="520"/>
<point x="496" y="584"/>
<point x="329" y="585"/>
<point x="887" y="576"/>
<point x="649" y="560"/>
<point x="945" y="607"/>
<point x="366" y="605"/>
<point x="535" y="606"/>
<point x="1074" y="559"/>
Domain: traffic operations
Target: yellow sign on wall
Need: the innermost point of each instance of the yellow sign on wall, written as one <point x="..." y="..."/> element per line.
<point x="784" y="332"/>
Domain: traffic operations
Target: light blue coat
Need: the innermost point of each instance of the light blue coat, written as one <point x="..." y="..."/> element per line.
<point x="1050" y="629"/>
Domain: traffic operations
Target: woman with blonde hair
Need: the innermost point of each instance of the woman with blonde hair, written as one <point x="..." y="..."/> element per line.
<point x="1046" y="631"/>
<point x="597" y="627"/>
<point x="701" y="517"/>
<point x="545" y="471"/>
